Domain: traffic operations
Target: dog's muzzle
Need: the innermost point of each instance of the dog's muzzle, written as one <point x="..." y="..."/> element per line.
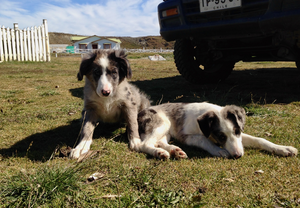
<point x="105" y="92"/>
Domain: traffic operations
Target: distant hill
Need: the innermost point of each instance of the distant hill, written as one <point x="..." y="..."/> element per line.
<point x="149" y="42"/>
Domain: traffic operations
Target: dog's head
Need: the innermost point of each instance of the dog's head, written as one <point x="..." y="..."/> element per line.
<point x="224" y="128"/>
<point x="105" y="69"/>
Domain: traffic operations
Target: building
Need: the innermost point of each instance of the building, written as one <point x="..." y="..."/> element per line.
<point x="96" y="42"/>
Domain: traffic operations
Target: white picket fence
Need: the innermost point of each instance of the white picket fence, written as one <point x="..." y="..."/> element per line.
<point x="31" y="44"/>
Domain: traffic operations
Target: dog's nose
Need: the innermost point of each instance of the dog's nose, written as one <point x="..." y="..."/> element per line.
<point x="105" y="92"/>
<point x="237" y="156"/>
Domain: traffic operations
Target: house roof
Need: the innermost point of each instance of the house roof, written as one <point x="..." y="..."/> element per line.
<point x="115" y="40"/>
<point x="85" y="38"/>
<point x="95" y="41"/>
<point x="109" y="39"/>
<point x="77" y="38"/>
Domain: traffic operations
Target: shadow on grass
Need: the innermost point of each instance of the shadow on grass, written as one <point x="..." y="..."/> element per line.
<point x="242" y="87"/>
<point x="40" y="146"/>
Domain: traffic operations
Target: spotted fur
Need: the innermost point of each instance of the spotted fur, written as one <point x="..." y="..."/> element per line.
<point x="216" y="129"/>
<point x="108" y="97"/>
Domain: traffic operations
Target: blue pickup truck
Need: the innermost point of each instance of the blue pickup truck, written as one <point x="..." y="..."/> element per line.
<point x="212" y="35"/>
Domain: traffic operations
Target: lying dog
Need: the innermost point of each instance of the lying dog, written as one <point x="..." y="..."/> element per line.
<point x="203" y="125"/>
<point x="108" y="97"/>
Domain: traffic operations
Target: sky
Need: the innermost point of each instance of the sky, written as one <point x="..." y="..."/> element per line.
<point x="134" y="18"/>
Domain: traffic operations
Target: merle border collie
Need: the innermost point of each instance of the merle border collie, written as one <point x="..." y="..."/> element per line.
<point x="108" y="97"/>
<point x="216" y="129"/>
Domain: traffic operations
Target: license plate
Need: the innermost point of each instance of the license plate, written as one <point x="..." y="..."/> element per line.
<point x="214" y="5"/>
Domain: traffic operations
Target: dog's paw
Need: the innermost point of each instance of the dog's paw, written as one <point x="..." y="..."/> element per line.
<point x="178" y="153"/>
<point x="287" y="151"/>
<point x="162" y="154"/>
<point x="135" y="144"/>
<point x="224" y="153"/>
<point x="76" y="153"/>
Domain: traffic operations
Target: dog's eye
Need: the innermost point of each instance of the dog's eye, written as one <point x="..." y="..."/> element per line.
<point x="114" y="73"/>
<point x="97" y="72"/>
<point x="222" y="138"/>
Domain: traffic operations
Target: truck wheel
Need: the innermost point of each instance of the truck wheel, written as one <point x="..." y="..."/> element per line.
<point x="196" y="68"/>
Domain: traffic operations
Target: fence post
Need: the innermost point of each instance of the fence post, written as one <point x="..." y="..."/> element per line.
<point x="17" y="31"/>
<point x="36" y="44"/>
<point x="47" y="40"/>
<point x="44" y="43"/>
<point x="40" y="44"/>
<point x="13" y="43"/>
<point x="1" y="46"/>
<point x="9" y="44"/>
<point x="28" y="44"/>
<point x="25" y="45"/>
<point x="32" y="44"/>
<point x="21" y="46"/>
<point x="5" y="44"/>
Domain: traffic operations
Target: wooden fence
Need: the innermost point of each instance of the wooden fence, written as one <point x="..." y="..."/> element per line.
<point x="31" y="44"/>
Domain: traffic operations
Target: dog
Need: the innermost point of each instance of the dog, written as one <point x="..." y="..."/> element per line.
<point x="108" y="97"/>
<point x="216" y="129"/>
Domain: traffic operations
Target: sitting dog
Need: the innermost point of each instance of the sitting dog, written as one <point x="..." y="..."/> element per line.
<point x="108" y="97"/>
<point x="203" y="125"/>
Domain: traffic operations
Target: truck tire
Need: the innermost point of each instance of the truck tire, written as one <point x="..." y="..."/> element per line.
<point x="191" y="68"/>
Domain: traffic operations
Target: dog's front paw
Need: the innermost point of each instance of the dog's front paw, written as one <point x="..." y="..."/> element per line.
<point x="287" y="151"/>
<point x="135" y="144"/>
<point x="76" y="153"/>
<point x="179" y="153"/>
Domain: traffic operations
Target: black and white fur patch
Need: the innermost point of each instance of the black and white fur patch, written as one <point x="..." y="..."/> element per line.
<point x="216" y="129"/>
<point x="108" y="97"/>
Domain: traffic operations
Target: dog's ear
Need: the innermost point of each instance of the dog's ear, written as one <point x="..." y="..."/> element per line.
<point x="125" y="69"/>
<point x="85" y="66"/>
<point x="207" y="122"/>
<point x="236" y="115"/>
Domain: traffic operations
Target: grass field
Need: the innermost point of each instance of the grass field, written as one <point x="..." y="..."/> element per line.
<point x="40" y="110"/>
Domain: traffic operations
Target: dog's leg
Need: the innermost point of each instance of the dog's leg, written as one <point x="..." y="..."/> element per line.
<point x="152" y="149"/>
<point x="86" y="137"/>
<point x="205" y="144"/>
<point x="133" y="129"/>
<point x="260" y="143"/>
<point x="174" y="151"/>
<point x="155" y="141"/>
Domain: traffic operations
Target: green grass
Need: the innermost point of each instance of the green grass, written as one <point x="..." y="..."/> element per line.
<point x="40" y="111"/>
<point x="48" y="186"/>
